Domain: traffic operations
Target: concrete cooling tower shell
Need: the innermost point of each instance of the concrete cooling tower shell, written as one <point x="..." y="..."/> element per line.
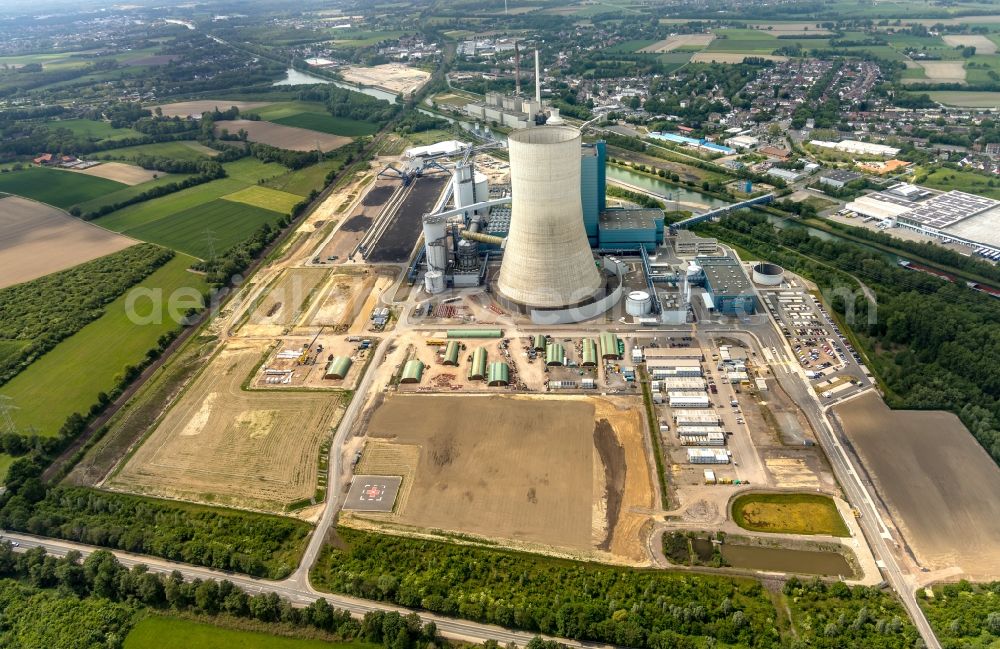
<point x="547" y="261"/>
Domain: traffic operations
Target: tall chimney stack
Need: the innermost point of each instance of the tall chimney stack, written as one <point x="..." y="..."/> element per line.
<point x="517" y="70"/>
<point x="538" y="80"/>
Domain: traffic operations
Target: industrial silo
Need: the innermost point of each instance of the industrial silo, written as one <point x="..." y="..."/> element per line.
<point x="547" y="260"/>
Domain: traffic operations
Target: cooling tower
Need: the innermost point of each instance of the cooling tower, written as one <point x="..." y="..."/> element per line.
<point x="547" y="261"/>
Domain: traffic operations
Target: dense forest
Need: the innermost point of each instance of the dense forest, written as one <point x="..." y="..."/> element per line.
<point x="255" y="544"/>
<point x="589" y="601"/>
<point x="68" y="603"/>
<point x="36" y="315"/>
<point x="933" y="343"/>
<point x="964" y="615"/>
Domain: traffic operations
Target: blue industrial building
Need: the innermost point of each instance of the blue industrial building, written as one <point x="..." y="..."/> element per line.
<point x="631" y="228"/>
<point x="593" y="182"/>
<point x="728" y="285"/>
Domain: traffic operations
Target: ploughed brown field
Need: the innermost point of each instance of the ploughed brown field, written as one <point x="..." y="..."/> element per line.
<point x="938" y="481"/>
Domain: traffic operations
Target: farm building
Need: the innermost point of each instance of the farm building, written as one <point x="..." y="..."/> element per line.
<point x="498" y="374"/>
<point x="337" y="368"/>
<point x="413" y="371"/>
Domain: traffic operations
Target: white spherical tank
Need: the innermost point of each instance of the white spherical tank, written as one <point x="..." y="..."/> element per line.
<point x="434" y="282"/>
<point x="767" y="274"/>
<point x="638" y="303"/>
<point x="693" y="270"/>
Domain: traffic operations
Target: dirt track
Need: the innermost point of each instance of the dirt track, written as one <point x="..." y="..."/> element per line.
<point x="37" y="239"/>
<point x="938" y="482"/>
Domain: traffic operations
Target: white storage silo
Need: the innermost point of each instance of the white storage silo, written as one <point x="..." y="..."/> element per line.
<point x="547" y="260"/>
<point x="638" y="303"/>
<point x="434" y="282"/>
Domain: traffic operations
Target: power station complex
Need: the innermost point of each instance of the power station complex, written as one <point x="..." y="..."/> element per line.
<point x="548" y="246"/>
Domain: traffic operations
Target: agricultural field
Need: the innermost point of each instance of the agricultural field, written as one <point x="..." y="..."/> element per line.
<point x="313" y="116"/>
<point x="120" y="172"/>
<point x="302" y="181"/>
<point x="196" y="220"/>
<point x="966" y="99"/>
<point x="37" y="239"/>
<point x="942" y="71"/>
<point x="196" y="108"/>
<point x="936" y="498"/>
<point x="789" y="514"/>
<point x="129" y="192"/>
<point x="93" y="130"/>
<point x="265" y="198"/>
<point x="679" y="41"/>
<point x="56" y="186"/>
<point x="205" y="230"/>
<point x="584" y="503"/>
<point x="982" y="44"/>
<point x="156" y="632"/>
<point x="220" y="444"/>
<point x="69" y="377"/>
<point x="732" y="57"/>
<point x="285" y="137"/>
<point x="181" y="150"/>
<point x="967" y="181"/>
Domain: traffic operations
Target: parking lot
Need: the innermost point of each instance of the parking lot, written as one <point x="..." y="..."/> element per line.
<point x="827" y="358"/>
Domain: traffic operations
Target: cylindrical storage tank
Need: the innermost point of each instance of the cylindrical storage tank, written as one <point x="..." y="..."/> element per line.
<point x="434" y="282"/>
<point x="638" y="303"/>
<point x="482" y="187"/>
<point x="435" y="244"/>
<point x="693" y="270"/>
<point x="767" y="274"/>
<point x="547" y="261"/>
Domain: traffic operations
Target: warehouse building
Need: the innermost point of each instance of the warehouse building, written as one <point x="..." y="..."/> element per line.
<point x="660" y="353"/>
<point x="704" y="417"/>
<point x="413" y="371"/>
<point x="477" y="367"/>
<point x="555" y="355"/>
<point x="687" y="400"/>
<point x="689" y="243"/>
<point x="451" y="353"/>
<point x="630" y="228"/>
<point x="708" y="439"/>
<point x="611" y="347"/>
<point x="837" y="178"/>
<point x="728" y="289"/>
<point x="674" y="368"/>
<point x="498" y="374"/>
<point x="589" y="353"/>
<point x="788" y="175"/>
<point x="857" y="148"/>
<point x="708" y="456"/>
<point x="338" y="368"/>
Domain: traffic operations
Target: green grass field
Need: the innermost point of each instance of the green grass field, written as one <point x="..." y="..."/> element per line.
<point x="965" y="181"/>
<point x="212" y="227"/>
<point x="69" y="377"/>
<point x="313" y="116"/>
<point x="5" y="462"/>
<point x="158" y="208"/>
<point x="129" y="192"/>
<point x="55" y="186"/>
<point x="789" y="514"/>
<point x="302" y="181"/>
<point x="968" y="99"/>
<point x="252" y="170"/>
<point x="94" y="130"/>
<point x="182" y="150"/>
<point x="155" y="632"/>
<point x="265" y="198"/>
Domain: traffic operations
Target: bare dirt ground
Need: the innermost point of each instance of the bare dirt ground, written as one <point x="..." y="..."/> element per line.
<point x="286" y="301"/>
<point x="38" y="239"/>
<point x="982" y="44"/>
<point x="285" y="137"/>
<point x="185" y="108"/>
<point x="671" y="43"/>
<point x="567" y="473"/>
<point x="943" y="71"/>
<point x="122" y="173"/>
<point x="732" y="57"/>
<point x="222" y="445"/>
<point x="342" y="299"/>
<point x="938" y="483"/>
<point x="393" y="77"/>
